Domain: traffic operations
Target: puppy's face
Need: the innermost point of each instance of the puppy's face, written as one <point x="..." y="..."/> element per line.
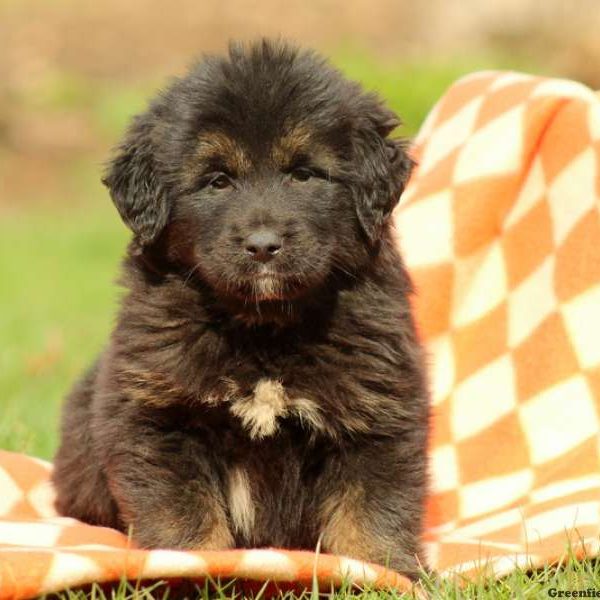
<point x="265" y="174"/>
<point x="264" y="214"/>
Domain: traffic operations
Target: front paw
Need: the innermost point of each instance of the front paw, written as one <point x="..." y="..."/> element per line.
<point x="167" y="532"/>
<point x="350" y="530"/>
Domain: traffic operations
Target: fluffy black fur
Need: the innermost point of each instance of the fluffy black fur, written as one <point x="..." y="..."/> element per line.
<point x="253" y="399"/>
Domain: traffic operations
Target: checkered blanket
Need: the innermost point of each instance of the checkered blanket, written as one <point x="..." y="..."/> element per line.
<point x="500" y="227"/>
<point x="501" y="230"/>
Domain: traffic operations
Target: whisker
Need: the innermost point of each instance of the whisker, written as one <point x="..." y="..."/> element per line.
<point x="342" y="269"/>
<point x="190" y="273"/>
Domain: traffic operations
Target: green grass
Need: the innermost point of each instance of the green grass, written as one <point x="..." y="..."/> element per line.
<point x="58" y="298"/>
<point x="58" y="293"/>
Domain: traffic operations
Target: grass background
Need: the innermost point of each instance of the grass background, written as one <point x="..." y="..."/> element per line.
<point x="59" y="261"/>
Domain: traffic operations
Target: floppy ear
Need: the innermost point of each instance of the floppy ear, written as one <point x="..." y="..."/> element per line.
<point x="383" y="168"/>
<point x="134" y="183"/>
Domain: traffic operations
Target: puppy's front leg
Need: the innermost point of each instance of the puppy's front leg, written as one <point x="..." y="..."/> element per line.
<point x="167" y="490"/>
<point x="371" y="505"/>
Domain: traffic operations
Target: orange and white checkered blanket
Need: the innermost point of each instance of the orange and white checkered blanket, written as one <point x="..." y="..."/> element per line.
<point x="500" y="227"/>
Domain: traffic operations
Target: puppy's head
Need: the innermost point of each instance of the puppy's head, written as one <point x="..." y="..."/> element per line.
<point x="263" y="174"/>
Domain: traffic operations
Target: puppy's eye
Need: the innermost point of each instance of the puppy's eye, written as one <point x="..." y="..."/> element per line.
<point x="301" y="175"/>
<point x="220" y="182"/>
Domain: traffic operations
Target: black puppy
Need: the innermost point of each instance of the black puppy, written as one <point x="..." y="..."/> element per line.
<point x="263" y="385"/>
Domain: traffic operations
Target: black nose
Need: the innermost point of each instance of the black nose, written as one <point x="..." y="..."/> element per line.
<point x="263" y="244"/>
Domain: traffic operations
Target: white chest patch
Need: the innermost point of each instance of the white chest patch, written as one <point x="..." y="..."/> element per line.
<point x="260" y="411"/>
<point x="239" y="499"/>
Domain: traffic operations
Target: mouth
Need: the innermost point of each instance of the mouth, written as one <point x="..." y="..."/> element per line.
<point x="268" y="285"/>
<point x="269" y="294"/>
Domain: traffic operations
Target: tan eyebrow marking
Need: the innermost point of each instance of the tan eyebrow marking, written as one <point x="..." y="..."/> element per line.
<point x="301" y="141"/>
<point x="216" y="146"/>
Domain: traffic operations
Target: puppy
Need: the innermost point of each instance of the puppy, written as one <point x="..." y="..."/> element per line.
<point x="263" y="385"/>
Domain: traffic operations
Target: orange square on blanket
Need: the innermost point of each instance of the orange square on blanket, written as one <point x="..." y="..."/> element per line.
<point x="544" y="358"/>
<point x="479" y="209"/>
<point x="441" y="431"/>
<point x="480" y="342"/>
<point x="578" y="261"/>
<point x="527" y="243"/>
<point x="498" y="450"/>
<point x="567" y="138"/>
<point x="433" y="286"/>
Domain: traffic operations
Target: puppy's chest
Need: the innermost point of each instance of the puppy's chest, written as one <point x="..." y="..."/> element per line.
<point x="266" y="385"/>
